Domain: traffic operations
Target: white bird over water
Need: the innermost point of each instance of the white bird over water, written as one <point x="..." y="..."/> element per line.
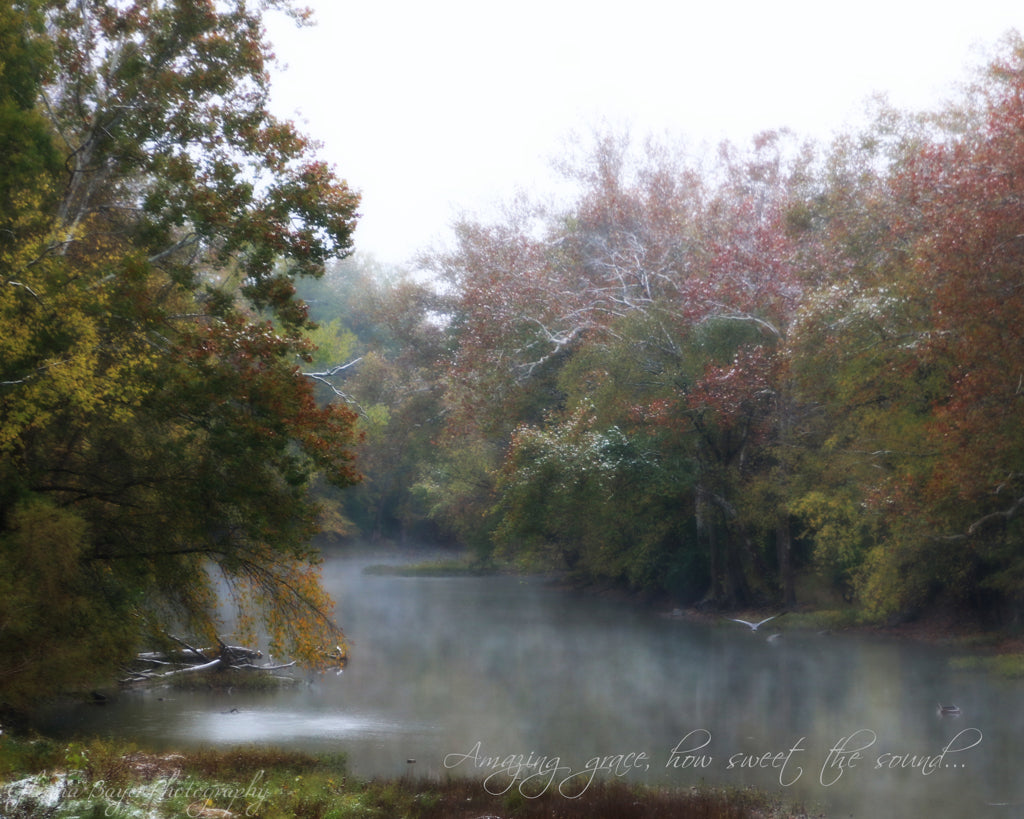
<point x="754" y="626"/>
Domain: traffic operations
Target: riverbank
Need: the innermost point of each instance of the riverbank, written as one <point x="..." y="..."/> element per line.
<point x="997" y="651"/>
<point x="42" y="779"/>
<point x="970" y="644"/>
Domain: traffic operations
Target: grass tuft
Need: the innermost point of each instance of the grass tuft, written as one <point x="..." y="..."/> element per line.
<point x="242" y="762"/>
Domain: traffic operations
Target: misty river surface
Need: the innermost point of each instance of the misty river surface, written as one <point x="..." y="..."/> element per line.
<point x="469" y="675"/>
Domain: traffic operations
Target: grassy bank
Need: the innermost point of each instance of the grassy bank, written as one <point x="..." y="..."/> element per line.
<point x="455" y="567"/>
<point x="42" y="779"/>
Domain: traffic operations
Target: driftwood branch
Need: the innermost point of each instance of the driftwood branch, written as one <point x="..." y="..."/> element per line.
<point x="156" y="666"/>
<point x="159" y="665"/>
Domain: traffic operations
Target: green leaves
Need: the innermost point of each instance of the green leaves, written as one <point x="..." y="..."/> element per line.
<point x="572" y="494"/>
<point x="826" y="337"/>
<point x="153" y="218"/>
<point x="163" y="104"/>
<point x="63" y="622"/>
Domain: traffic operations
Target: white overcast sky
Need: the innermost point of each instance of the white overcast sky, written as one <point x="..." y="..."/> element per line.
<point x="433" y="108"/>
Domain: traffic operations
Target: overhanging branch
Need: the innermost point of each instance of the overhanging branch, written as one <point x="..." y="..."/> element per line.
<point x="325" y="377"/>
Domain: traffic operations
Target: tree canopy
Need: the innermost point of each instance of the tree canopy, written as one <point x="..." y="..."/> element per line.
<point x="728" y="378"/>
<point x="158" y="439"/>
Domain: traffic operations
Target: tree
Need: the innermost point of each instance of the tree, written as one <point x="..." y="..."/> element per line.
<point x="911" y="351"/>
<point x="151" y="396"/>
<point x="964" y="264"/>
<point x="666" y="293"/>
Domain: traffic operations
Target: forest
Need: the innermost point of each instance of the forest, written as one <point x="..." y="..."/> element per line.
<point x="779" y="374"/>
<point x="728" y="378"/>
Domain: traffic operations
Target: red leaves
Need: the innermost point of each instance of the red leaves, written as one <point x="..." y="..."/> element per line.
<point x="886" y="279"/>
<point x="967" y="257"/>
<point x="738" y="390"/>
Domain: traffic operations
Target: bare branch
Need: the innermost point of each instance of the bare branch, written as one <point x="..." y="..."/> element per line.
<point x="767" y="325"/>
<point x="325" y="376"/>
<point x="26" y="288"/>
<point x="1003" y="514"/>
<point x="334" y="370"/>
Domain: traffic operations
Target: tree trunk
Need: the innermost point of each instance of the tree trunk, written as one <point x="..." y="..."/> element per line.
<point x="783" y="533"/>
<point x="737" y="590"/>
<point x="784" y="552"/>
<point x="706" y="532"/>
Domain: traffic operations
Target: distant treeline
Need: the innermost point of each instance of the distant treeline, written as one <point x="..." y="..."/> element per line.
<point x="720" y="378"/>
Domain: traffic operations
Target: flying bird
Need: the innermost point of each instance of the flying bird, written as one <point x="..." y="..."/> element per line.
<point x="753" y="626"/>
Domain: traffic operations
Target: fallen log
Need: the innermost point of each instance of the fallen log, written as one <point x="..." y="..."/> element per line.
<point x="151" y="666"/>
<point x="238" y="654"/>
<point x="172" y="657"/>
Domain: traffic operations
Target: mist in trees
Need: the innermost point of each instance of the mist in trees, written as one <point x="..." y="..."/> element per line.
<point x="728" y="378"/>
<point x="380" y="342"/>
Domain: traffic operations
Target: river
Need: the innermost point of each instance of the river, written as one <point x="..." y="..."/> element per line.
<point x="472" y="676"/>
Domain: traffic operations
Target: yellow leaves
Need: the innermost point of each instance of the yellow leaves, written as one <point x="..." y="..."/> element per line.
<point x="332" y="520"/>
<point x="46" y="542"/>
<point x="333" y="342"/>
<point x="66" y="352"/>
<point x="374" y="421"/>
<point x="283" y="600"/>
<point x="839" y="526"/>
<point x="51" y="355"/>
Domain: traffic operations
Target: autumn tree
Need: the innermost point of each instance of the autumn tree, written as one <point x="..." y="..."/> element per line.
<point x="662" y="297"/>
<point x="946" y="369"/>
<point x="157" y="434"/>
<point x="909" y="352"/>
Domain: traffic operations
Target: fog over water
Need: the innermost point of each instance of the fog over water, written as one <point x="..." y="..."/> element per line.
<point x="469" y="675"/>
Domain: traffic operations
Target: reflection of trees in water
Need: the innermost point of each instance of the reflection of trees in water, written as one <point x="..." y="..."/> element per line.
<point x="443" y="663"/>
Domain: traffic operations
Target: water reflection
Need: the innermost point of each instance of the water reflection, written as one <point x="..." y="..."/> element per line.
<point x="478" y="669"/>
